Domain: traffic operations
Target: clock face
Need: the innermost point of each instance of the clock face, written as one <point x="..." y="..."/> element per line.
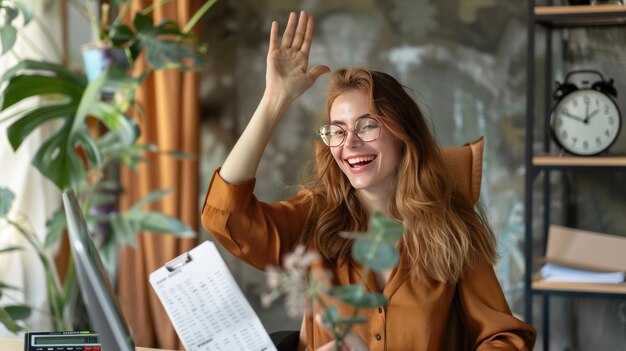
<point x="586" y="122"/>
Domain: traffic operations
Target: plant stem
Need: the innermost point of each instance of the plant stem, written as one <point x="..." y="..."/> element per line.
<point x="196" y="17"/>
<point x="121" y="14"/>
<point x="54" y="286"/>
<point x="151" y="8"/>
<point x="31" y="45"/>
<point x="46" y="33"/>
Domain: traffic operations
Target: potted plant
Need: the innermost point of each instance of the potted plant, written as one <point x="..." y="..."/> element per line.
<point x="74" y="156"/>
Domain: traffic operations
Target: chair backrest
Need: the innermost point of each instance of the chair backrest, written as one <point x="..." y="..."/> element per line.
<point x="466" y="164"/>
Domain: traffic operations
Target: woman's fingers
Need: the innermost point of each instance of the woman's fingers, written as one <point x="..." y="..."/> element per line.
<point x="317" y="71"/>
<point x="308" y="36"/>
<point x="289" y="31"/>
<point x="273" y="36"/>
<point x="300" y="30"/>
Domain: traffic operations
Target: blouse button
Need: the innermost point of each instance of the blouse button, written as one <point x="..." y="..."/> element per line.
<point x="378" y="337"/>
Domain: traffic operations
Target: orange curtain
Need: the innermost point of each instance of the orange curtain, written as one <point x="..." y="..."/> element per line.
<point x="169" y="118"/>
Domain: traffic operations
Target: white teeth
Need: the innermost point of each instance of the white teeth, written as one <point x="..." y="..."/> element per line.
<point x="354" y="160"/>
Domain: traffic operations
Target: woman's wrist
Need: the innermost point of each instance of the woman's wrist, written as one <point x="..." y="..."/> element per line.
<point x="275" y="104"/>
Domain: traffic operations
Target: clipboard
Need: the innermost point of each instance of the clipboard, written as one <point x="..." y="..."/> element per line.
<point x="205" y="304"/>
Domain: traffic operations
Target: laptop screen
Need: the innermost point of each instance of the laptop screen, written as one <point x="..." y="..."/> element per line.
<point x="104" y="312"/>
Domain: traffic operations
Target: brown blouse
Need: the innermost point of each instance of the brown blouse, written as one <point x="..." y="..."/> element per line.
<point x="421" y="314"/>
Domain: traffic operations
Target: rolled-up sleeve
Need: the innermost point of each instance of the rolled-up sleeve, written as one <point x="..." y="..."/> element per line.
<point x="488" y="316"/>
<point x="257" y="232"/>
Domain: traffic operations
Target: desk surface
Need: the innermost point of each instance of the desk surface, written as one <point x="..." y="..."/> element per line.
<point x="8" y="344"/>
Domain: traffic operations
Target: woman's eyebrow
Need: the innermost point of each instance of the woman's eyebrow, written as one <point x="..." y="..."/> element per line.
<point x="367" y="114"/>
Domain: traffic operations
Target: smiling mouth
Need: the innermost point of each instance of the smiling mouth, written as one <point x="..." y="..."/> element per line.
<point x="360" y="161"/>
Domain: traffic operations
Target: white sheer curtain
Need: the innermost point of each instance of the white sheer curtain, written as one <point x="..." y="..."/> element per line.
<point x="36" y="197"/>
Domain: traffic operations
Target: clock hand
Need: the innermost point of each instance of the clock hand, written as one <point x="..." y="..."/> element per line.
<point x="566" y="113"/>
<point x="595" y="112"/>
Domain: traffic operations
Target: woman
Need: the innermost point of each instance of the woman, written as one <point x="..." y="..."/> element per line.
<point x="377" y="156"/>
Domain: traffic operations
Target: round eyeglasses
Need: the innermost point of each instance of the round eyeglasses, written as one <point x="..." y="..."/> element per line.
<point x="366" y="128"/>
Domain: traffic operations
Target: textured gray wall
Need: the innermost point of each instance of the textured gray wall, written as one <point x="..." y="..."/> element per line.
<point x="465" y="61"/>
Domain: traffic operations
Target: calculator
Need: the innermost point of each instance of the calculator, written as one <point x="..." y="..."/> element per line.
<point x="62" y="341"/>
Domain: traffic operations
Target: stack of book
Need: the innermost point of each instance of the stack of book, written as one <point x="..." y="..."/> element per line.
<point x="558" y="273"/>
<point x="579" y="256"/>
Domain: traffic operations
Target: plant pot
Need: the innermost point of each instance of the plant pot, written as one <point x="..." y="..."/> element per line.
<point x="98" y="56"/>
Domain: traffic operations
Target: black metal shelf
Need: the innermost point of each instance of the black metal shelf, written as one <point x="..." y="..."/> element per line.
<point x="596" y="290"/>
<point x="552" y="18"/>
<point x="580" y="16"/>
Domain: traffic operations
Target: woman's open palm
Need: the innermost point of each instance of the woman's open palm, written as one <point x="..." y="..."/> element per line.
<point x="287" y="73"/>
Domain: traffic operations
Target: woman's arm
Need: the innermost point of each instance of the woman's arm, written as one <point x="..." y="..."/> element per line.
<point x="287" y="77"/>
<point x="489" y="320"/>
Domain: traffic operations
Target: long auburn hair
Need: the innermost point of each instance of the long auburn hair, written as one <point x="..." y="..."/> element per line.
<point x="444" y="234"/>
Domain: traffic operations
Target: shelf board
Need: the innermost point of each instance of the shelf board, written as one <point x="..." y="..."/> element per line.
<point x="576" y="161"/>
<point x="582" y="15"/>
<point x="588" y="288"/>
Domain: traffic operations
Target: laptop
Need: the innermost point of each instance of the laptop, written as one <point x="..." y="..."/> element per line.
<point x="104" y="312"/>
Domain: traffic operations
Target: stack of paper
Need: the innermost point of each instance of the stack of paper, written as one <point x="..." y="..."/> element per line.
<point x="554" y="272"/>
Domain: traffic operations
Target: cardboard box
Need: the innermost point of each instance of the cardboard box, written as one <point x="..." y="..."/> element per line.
<point x="586" y="250"/>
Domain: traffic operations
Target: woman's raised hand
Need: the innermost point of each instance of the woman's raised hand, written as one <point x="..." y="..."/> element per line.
<point x="287" y="75"/>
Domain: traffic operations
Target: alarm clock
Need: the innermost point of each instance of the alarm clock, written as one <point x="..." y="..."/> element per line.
<point x="585" y="121"/>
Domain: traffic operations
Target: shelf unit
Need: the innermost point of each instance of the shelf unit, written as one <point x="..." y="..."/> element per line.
<point x="555" y="18"/>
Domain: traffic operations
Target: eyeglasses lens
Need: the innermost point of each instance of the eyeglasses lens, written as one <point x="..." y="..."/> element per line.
<point x="367" y="129"/>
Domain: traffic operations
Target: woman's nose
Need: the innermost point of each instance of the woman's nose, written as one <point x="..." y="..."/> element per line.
<point x="352" y="139"/>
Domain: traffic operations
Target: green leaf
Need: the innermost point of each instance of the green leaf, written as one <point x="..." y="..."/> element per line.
<point x="56" y="226"/>
<point x="8" y="322"/>
<point x="123" y="230"/>
<point x="8" y="36"/>
<point x="20" y="129"/>
<point x="121" y="35"/>
<point x="26" y="86"/>
<point x="18" y="312"/>
<point x="160" y="223"/>
<point x="142" y="22"/>
<point x="330" y="316"/>
<point x="352" y="320"/>
<point x="25" y="10"/>
<point x="11" y="249"/>
<point x="9" y="13"/>
<point x="57" y="161"/>
<point x="172" y="54"/>
<point x="356" y="295"/>
<point x="3" y="286"/>
<point x="390" y="229"/>
<point x="47" y="68"/>
<point x="151" y="197"/>
<point x="125" y="130"/>
<point x="378" y="256"/>
<point x="119" y="2"/>
<point x="6" y="200"/>
<point x="94" y="156"/>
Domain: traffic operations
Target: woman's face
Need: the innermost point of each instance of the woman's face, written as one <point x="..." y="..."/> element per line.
<point x="369" y="166"/>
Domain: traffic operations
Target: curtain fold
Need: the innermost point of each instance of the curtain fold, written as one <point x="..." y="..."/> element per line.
<point x="169" y="118"/>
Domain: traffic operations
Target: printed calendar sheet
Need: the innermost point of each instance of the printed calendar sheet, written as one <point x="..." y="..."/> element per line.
<point x="205" y="304"/>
